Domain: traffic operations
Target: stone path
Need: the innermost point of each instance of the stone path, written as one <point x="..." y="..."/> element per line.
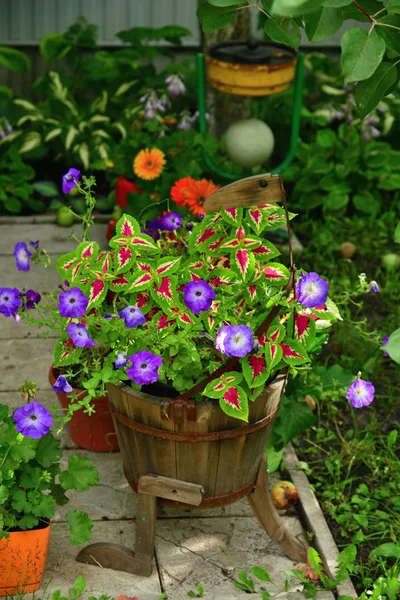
<point x="207" y="547"/>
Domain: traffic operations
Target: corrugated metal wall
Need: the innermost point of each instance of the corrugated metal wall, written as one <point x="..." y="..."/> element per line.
<point x="25" y="22"/>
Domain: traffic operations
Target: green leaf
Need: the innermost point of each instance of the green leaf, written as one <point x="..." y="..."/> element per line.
<point x="393" y="346"/>
<point x="48" y="451"/>
<point x="336" y="201"/>
<point x="3" y="494"/>
<point x="294" y="8"/>
<point x="25" y="450"/>
<point x="371" y="91"/>
<point x="5" y="91"/>
<point x="336" y="3"/>
<point x="397" y="234"/>
<point x="235" y="403"/>
<point x="388" y="34"/>
<point x="54" y="46"/>
<point x="45" y="508"/>
<point x="366" y="202"/>
<point x="27" y="522"/>
<point x="389" y="550"/>
<point x="214" y="17"/>
<point x="80" y="585"/>
<point x="326" y="138"/>
<point x="361" y="54"/>
<point x="46" y="188"/>
<point x="15" y="60"/>
<point x="394" y="6"/>
<point x="226" y="2"/>
<point x="80" y="527"/>
<point x="31" y="477"/>
<point x="283" y="30"/>
<point x="322" y="24"/>
<point x="80" y="475"/>
<point x="261" y="574"/>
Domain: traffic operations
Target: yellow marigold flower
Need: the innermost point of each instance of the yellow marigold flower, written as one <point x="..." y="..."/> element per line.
<point x="148" y="164"/>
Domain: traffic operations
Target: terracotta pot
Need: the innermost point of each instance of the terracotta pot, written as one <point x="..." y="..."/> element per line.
<point x="92" y="432"/>
<point x="22" y="561"/>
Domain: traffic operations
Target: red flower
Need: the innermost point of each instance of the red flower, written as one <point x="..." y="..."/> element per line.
<point x="198" y="193"/>
<point x="122" y="188"/>
<point x="111" y="228"/>
<point x="181" y="190"/>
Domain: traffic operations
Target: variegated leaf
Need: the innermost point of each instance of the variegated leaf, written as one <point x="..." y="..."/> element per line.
<point x="139" y="282"/>
<point x="304" y="328"/>
<point x="273" y="355"/>
<point x="87" y="251"/>
<point x="233" y="216"/>
<point x="97" y="292"/>
<point x="276" y="274"/>
<point x="251" y="293"/>
<point x="243" y="263"/>
<point x="163" y="293"/>
<point x="120" y="283"/>
<point x="293" y="353"/>
<point x="168" y="265"/>
<point x="203" y="239"/>
<point x="142" y="299"/>
<point x="257" y="220"/>
<point x="65" y="264"/>
<point x="124" y="258"/>
<point x="265" y="251"/>
<point x="127" y="226"/>
<point x="255" y="370"/>
<point x="234" y="403"/>
<point x="222" y="277"/>
<point x="276" y="333"/>
<point x="66" y="354"/>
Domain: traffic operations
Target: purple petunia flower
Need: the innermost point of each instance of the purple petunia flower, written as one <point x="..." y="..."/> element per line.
<point x="33" y="420"/>
<point x="384" y="342"/>
<point x="235" y="340"/>
<point x="107" y="316"/>
<point x="32" y="298"/>
<point x="198" y="295"/>
<point x="35" y="245"/>
<point x="69" y="180"/>
<point x="176" y="87"/>
<point x="312" y="290"/>
<point x="62" y="385"/>
<point x="22" y="256"/>
<point x="144" y="369"/>
<point x="132" y="316"/>
<point x="72" y="303"/>
<point x="79" y="335"/>
<point x="9" y="301"/>
<point x="373" y="287"/>
<point x="120" y="360"/>
<point x="360" y="393"/>
<point x="154" y="223"/>
<point x="171" y="221"/>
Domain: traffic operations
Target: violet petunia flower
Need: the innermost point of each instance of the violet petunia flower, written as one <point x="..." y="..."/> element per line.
<point x="312" y="290"/>
<point x="70" y="180"/>
<point x="10" y="301"/>
<point x="132" y="316"/>
<point x="33" y="420"/>
<point x="198" y="296"/>
<point x="235" y="340"/>
<point x="176" y="87"/>
<point x="374" y="287"/>
<point x="360" y="393"/>
<point x="34" y="245"/>
<point x="72" y="303"/>
<point x="120" y="360"/>
<point x="171" y="221"/>
<point x="62" y="385"/>
<point x="154" y="223"/>
<point x="384" y="342"/>
<point x="22" y="256"/>
<point x="79" y="335"/>
<point x="32" y="298"/>
<point x="144" y="369"/>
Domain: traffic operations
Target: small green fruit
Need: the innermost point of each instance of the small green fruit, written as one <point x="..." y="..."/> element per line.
<point x="64" y="216"/>
<point x="391" y="261"/>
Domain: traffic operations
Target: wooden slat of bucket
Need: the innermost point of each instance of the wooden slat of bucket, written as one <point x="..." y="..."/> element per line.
<point x="251" y="191"/>
<point x="199" y="462"/>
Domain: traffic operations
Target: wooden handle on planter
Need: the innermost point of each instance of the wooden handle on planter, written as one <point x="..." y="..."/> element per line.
<point x="251" y="191"/>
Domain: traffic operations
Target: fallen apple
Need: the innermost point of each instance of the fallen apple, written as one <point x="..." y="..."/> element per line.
<point x="348" y="249"/>
<point x="249" y="142"/>
<point x="284" y="494"/>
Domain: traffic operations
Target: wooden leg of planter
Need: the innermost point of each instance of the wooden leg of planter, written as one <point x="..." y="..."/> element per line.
<point x="264" y="509"/>
<point x="140" y="562"/>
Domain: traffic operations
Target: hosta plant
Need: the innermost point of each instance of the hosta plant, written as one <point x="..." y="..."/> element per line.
<point x="178" y="306"/>
<point x="32" y="482"/>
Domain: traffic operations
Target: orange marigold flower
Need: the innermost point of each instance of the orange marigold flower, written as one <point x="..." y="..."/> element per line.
<point x="198" y="193"/>
<point x="148" y="164"/>
<point x="181" y="190"/>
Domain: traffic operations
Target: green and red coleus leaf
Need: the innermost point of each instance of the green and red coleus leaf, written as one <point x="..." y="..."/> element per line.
<point x="257" y="219"/>
<point x="65" y="355"/>
<point x="304" y="328"/>
<point x="242" y="263"/>
<point x="139" y="281"/>
<point x="293" y="353"/>
<point x="201" y="241"/>
<point x="97" y="292"/>
<point x="251" y="293"/>
<point x="233" y="216"/>
<point x="167" y="265"/>
<point x="265" y="251"/>
<point x="255" y="369"/>
<point x="275" y="216"/>
<point x="217" y="387"/>
<point x="164" y="292"/>
<point x="273" y="354"/>
<point x="235" y="403"/>
<point x="220" y="277"/>
<point x="276" y="274"/>
<point x="119" y="283"/>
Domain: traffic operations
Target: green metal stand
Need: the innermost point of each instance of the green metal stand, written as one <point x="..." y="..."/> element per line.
<point x="294" y="136"/>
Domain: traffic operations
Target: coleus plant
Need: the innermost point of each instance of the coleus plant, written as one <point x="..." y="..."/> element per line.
<point x="172" y="307"/>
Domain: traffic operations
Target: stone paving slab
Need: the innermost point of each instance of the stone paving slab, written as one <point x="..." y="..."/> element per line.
<point x="25" y="359"/>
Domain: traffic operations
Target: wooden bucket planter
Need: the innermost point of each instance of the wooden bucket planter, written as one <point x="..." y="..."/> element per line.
<point x="193" y="441"/>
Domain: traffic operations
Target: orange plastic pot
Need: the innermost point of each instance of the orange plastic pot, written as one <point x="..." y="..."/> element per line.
<point x="92" y="432"/>
<point x="22" y="561"/>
